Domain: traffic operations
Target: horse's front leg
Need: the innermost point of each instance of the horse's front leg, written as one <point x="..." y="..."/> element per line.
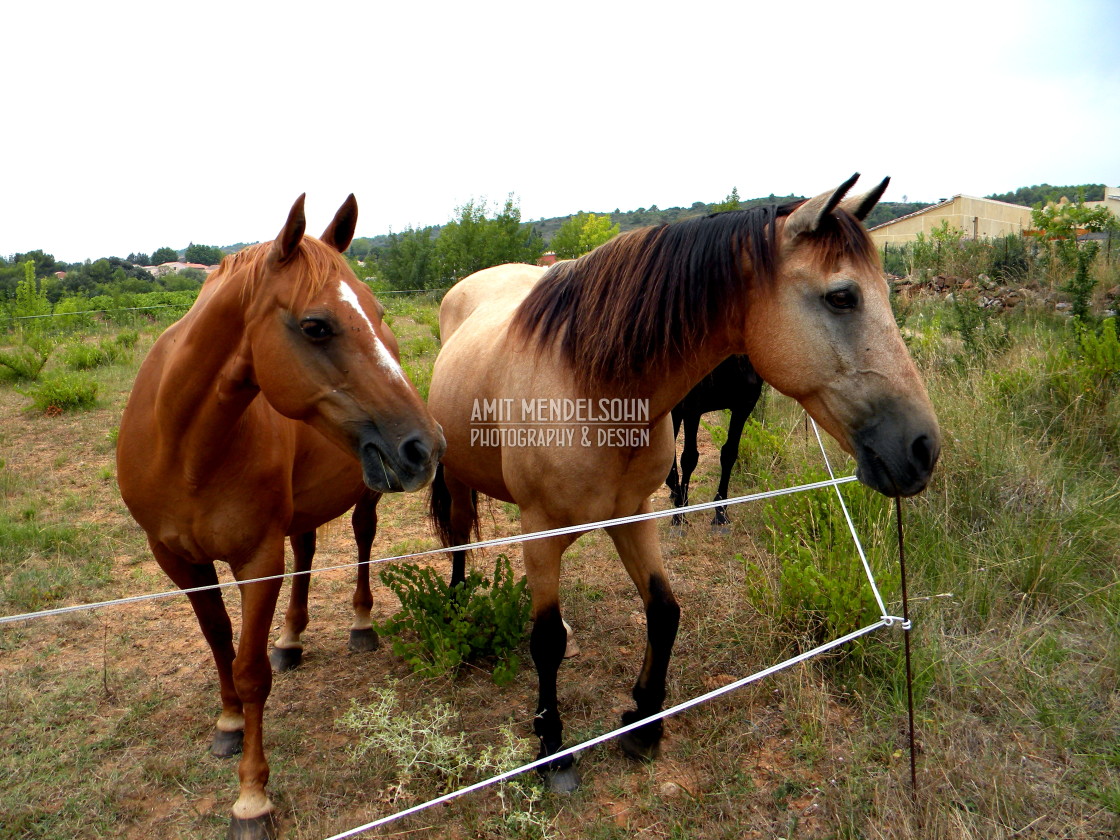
<point x="640" y="551"/>
<point x="253" y="816"/>
<point x="210" y="610"/>
<point x="363" y="637"/>
<point x="287" y="651"/>
<point x="547" y="644"/>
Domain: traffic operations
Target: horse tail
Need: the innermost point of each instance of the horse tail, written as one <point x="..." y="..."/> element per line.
<point x="439" y="511"/>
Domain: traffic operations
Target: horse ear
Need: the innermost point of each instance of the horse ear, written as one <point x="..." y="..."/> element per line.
<point x="860" y="205"/>
<point x="808" y="217"/>
<point x="292" y="234"/>
<point x="340" y="231"/>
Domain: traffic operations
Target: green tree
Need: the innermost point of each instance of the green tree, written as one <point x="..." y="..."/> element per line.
<point x="30" y="304"/>
<point x="409" y="260"/>
<point x="164" y="255"/>
<point x="44" y="263"/>
<point x="730" y="203"/>
<point x="512" y="241"/>
<point x="203" y="254"/>
<point x="1042" y="193"/>
<point x="139" y="259"/>
<point x="582" y="233"/>
<point x="472" y="242"/>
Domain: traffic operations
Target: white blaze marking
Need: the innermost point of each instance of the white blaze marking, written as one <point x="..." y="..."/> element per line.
<point x="384" y="357"/>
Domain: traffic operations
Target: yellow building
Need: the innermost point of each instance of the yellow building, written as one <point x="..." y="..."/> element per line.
<point x="1111" y="200"/>
<point x="977" y="217"/>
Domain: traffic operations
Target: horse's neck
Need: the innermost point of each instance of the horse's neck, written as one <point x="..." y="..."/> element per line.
<point x="208" y="380"/>
<point x="674" y="385"/>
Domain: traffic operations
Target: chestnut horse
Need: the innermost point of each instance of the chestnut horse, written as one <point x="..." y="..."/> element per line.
<point x="554" y="388"/>
<point x="733" y="385"/>
<point x="273" y="406"/>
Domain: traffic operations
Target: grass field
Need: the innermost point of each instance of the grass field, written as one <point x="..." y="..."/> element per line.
<point x="105" y="716"/>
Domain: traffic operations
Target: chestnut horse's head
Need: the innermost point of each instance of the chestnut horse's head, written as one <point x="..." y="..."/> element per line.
<point x="822" y="332"/>
<point x="322" y="353"/>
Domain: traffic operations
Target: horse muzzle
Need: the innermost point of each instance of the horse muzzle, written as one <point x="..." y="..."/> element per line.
<point x="394" y="465"/>
<point x="894" y="458"/>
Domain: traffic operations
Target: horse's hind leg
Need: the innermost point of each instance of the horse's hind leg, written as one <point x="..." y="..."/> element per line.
<point x="640" y="551"/>
<point x="287" y="651"/>
<point x="454" y="512"/>
<point x="364" y="520"/>
<point x="210" y="611"/>
<point x="690" y="455"/>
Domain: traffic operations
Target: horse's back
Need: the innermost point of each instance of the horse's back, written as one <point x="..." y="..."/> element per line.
<point x="496" y="290"/>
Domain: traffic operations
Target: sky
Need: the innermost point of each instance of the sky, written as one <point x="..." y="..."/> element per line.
<point x="129" y="126"/>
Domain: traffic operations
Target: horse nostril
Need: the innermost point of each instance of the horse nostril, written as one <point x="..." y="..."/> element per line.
<point x="924" y="451"/>
<point x="415" y="451"/>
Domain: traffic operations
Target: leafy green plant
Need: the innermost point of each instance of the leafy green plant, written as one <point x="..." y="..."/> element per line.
<point x="1100" y="351"/>
<point x="439" y="627"/>
<point x="30" y="305"/>
<point x="983" y="333"/>
<point x="25" y="361"/>
<point x="1080" y="286"/>
<point x="63" y="392"/>
<point x="822" y="591"/>
<point x="89" y="356"/>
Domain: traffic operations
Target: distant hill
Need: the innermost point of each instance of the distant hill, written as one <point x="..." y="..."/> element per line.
<point x="1044" y="193"/>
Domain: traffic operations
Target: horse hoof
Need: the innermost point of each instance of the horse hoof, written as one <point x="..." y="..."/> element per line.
<point x="364" y="641"/>
<point x="255" y="828"/>
<point x="561" y="781"/>
<point x="721" y="527"/>
<point x="226" y="744"/>
<point x="285" y="659"/>
<point x="676" y="531"/>
<point x="638" y="748"/>
<point x="641" y="744"/>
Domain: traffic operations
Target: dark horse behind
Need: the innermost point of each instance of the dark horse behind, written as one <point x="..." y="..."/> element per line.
<point x="734" y="385"/>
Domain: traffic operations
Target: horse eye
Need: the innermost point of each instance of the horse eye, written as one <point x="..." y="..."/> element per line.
<point x="316" y="329"/>
<point x="842" y="299"/>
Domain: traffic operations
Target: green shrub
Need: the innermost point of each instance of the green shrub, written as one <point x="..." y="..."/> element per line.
<point x="89" y="356"/>
<point x="64" y="392"/>
<point x="72" y="313"/>
<point x="25" y="361"/>
<point x="1100" y="352"/>
<point x="822" y="591"/>
<point x="1080" y="287"/>
<point x="981" y="330"/>
<point x="439" y="627"/>
<point x="127" y="338"/>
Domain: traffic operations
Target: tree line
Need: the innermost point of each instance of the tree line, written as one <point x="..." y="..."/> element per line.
<point x="436" y="256"/>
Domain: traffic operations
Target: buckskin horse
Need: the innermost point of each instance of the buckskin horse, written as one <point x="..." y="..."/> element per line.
<point x="639" y="321"/>
<point x="273" y="406"/>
